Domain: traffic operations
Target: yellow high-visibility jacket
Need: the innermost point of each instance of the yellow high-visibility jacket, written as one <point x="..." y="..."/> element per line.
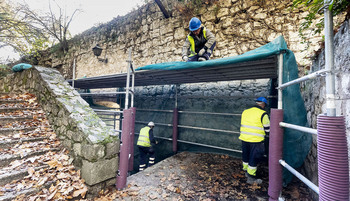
<point x="254" y="123"/>
<point x="193" y="44"/>
<point x="205" y="39"/>
<point x="143" y="139"/>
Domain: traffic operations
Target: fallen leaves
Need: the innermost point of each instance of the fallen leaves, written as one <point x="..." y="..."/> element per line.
<point x="52" y="170"/>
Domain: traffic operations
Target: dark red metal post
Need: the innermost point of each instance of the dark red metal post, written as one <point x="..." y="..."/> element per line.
<point x="175" y="131"/>
<point x="132" y="139"/>
<point x="275" y="154"/>
<point x="124" y="149"/>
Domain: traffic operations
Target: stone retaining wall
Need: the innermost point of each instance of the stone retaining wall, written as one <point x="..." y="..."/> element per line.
<point x="314" y="93"/>
<point x="91" y="143"/>
<point x="222" y="97"/>
<point x="238" y="25"/>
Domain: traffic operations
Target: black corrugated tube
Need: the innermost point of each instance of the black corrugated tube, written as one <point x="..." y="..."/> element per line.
<point x="333" y="166"/>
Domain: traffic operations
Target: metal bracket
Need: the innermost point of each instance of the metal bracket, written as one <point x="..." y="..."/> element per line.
<point x="323" y="7"/>
<point x="323" y="73"/>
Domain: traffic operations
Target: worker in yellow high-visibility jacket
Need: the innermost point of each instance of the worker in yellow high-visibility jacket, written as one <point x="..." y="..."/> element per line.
<point x="255" y="125"/>
<point x="199" y="43"/>
<point x="146" y="143"/>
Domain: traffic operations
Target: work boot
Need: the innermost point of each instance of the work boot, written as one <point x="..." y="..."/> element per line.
<point x="251" y="180"/>
<point x="202" y="59"/>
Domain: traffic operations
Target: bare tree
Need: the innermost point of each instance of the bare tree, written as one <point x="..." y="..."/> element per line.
<point x="17" y="32"/>
<point x="55" y="25"/>
<point x="20" y="23"/>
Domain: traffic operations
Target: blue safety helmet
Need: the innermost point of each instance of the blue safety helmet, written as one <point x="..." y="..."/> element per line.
<point x="195" y="24"/>
<point x="261" y="99"/>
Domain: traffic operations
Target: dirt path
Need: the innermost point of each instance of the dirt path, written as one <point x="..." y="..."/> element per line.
<point x="197" y="176"/>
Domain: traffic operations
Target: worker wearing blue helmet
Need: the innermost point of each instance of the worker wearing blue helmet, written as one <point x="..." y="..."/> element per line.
<point x="199" y="43"/>
<point x="255" y="127"/>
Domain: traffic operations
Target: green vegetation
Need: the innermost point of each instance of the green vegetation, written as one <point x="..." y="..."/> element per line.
<point x="4" y="70"/>
<point x="191" y="8"/>
<point x="315" y="7"/>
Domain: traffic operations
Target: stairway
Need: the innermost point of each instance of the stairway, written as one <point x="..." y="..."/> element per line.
<point x="32" y="162"/>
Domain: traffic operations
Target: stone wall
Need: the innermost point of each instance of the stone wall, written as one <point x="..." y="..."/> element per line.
<point x="93" y="145"/>
<point x="238" y="25"/>
<point x="314" y="92"/>
<point x="222" y="97"/>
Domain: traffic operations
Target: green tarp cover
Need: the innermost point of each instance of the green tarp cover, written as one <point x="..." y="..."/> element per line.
<point x="272" y="48"/>
<point x="296" y="144"/>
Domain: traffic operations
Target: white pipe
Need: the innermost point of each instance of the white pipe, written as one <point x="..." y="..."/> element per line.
<point x="280" y="80"/>
<point x="132" y="88"/>
<point x="128" y="81"/>
<point x="304" y="78"/>
<point x="329" y="57"/>
<point x="299" y="128"/>
<point x="300" y="176"/>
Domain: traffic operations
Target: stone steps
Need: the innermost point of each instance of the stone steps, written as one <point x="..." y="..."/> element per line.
<point x="8" y="143"/>
<point x="13" y="195"/>
<point x="25" y="146"/>
<point x="5" y="110"/>
<point x="5" y="120"/>
<point x="15" y="175"/>
<point x="11" y="131"/>
<point x="6" y="159"/>
<point x="11" y="101"/>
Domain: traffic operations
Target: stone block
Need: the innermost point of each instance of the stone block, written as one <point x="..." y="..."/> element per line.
<point x="77" y="149"/>
<point x="96" y="172"/>
<point x="67" y="143"/>
<point x="112" y="149"/>
<point x="77" y="136"/>
<point x="92" y="152"/>
<point x="223" y="12"/>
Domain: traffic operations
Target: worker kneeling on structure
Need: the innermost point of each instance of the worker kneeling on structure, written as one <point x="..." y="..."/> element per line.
<point x="199" y="44"/>
<point x="255" y="126"/>
<point x="146" y="143"/>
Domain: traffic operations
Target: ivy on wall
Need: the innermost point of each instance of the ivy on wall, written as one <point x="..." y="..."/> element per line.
<point x="190" y="8"/>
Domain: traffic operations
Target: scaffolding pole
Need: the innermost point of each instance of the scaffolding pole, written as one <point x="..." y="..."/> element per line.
<point x="329" y="57"/>
<point x="280" y="80"/>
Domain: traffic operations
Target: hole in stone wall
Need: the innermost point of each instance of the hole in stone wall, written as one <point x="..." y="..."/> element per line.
<point x="217" y="20"/>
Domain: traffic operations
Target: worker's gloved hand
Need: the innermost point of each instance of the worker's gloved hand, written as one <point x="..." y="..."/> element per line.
<point x="151" y="149"/>
<point x="185" y="58"/>
<point x="201" y="52"/>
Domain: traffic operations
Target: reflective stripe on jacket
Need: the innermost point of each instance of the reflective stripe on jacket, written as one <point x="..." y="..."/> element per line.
<point x="252" y="125"/>
<point x="143" y="139"/>
<point x="193" y="43"/>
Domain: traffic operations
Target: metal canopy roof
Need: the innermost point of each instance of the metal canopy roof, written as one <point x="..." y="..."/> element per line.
<point x="257" y="69"/>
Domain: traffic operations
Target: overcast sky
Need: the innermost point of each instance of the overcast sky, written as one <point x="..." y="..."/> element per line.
<point x="93" y="12"/>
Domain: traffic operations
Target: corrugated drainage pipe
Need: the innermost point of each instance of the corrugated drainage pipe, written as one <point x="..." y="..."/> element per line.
<point x="275" y="154"/>
<point x="333" y="166"/>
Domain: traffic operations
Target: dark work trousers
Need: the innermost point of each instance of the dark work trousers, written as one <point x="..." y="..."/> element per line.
<point x="147" y="155"/>
<point x="252" y="152"/>
<point x="205" y="55"/>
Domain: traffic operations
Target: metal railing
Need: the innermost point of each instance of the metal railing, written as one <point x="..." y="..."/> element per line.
<point x="330" y="88"/>
<point x="198" y="144"/>
<point x="292" y="126"/>
<point x="193" y="127"/>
